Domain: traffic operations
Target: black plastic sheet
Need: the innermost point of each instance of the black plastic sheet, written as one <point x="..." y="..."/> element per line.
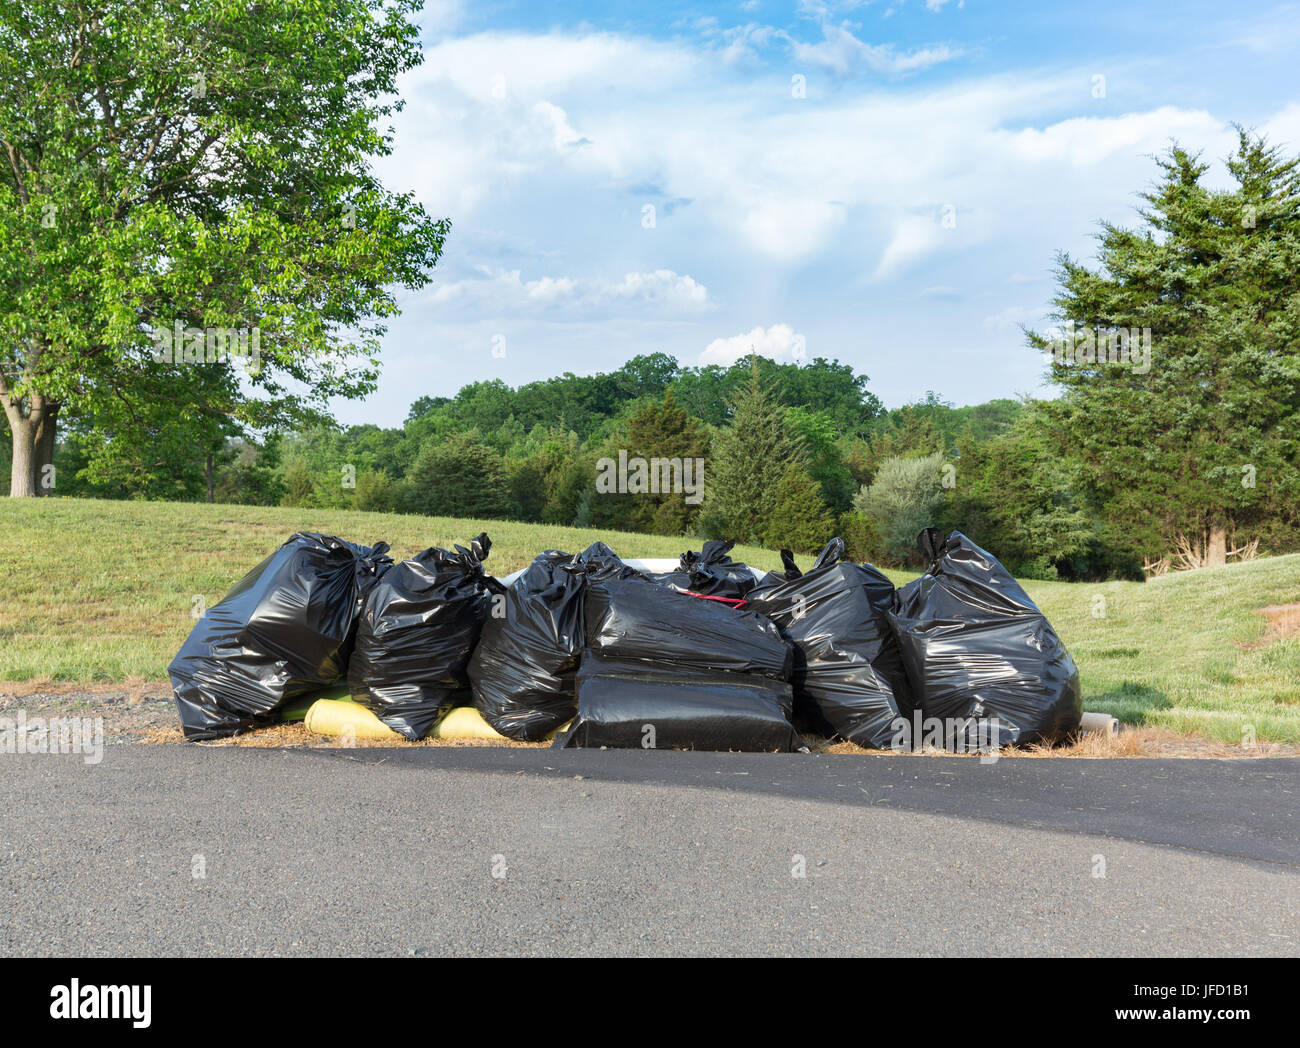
<point x="634" y="703"/>
<point x="285" y="630"/>
<point x="977" y="648"/>
<point x="849" y="679"/>
<point x="417" y="631"/>
<point x="522" y="671"/>
<point x="682" y="671"/>
<point x="632" y="617"/>
<point x="710" y="572"/>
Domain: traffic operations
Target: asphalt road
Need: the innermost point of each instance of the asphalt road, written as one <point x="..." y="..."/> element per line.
<point x="183" y="850"/>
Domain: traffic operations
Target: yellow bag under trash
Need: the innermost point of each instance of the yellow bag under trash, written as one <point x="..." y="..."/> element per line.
<point x="334" y="717"/>
<point x="464" y="722"/>
<point x="344" y="717"/>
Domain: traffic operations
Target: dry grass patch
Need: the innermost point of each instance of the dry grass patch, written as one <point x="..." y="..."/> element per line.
<point x="298" y="737"/>
<point x="1132" y="742"/>
<point x="1283" y="621"/>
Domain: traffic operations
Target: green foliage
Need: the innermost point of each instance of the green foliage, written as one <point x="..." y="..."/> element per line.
<point x="299" y="487"/>
<point x="527" y="492"/>
<point x="707" y="393"/>
<point x="904" y="498"/>
<point x="1203" y="443"/>
<point x="376" y="493"/>
<point x="659" y="432"/>
<point x="799" y="519"/>
<point x="820" y="436"/>
<point x="749" y="460"/>
<point x="461" y="477"/>
<point x="252" y="477"/>
<point x="1011" y="495"/>
<point x="204" y="165"/>
<point x="863" y="539"/>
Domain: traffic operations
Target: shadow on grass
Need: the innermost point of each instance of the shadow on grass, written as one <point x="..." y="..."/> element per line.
<point x="1131" y="702"/>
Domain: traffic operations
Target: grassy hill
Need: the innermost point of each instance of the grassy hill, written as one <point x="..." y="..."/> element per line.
<point x="103" y="591"/>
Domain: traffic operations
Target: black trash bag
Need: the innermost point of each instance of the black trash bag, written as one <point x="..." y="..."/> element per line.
<point x="634" y="703"/>
<point x="417" y="631"/>
<point x="700" y="673"/>
<point x="710" y="572"/>
<point x="522" y="671"/>
<point x="849" y="680"/>
<point x="286" y="630"/>
<point x="629" y="616"/>
<point x="976" y="647"/>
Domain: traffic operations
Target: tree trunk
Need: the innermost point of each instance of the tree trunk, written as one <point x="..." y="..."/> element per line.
<point x="22" y="477"/>
<point x="33" y="439"/>
<point x="45" y="442"/>
<point x="1216" y="546"/>
<point x="209" y="471"/>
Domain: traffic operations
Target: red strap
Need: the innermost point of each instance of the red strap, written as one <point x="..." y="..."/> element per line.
<point x="735" y="602"/>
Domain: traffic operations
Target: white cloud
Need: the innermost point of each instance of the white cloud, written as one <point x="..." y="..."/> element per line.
<point x="505" y="291"/>
<point x="779" y="342"/>
<point x="914" y="237"/>
<point x="790" y="227"/>
<point x="841" y="52"/>
<point x="1284" y="129"/>
<point x="441" y="16"/>
<point x="1090" y="141"/>
<point x="744" y="42"/>
<point x="563" y="135"/>
<point x="663" y="285"/>
<point x="589" y="118"/>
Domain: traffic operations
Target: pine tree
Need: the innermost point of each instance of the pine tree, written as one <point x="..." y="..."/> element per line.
<point x="461" y="477"/>
<point x="658" y="430"/>
<point x="1201" y="446"/>
<point x="800" y="520"/>
<point x="750" y="459"/>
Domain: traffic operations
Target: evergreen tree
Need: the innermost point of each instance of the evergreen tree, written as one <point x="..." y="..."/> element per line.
<point x="800" y="520"/>
<point x="461" y="477"/>
<point x="663" y="431"/>
<point x="1199" y="448"/>
<point x="1011" y="496"/>
<point x="527" y="492"/>
<point x="750" y="459"/>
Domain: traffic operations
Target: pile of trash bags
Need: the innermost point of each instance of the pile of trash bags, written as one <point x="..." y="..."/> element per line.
<point x="589" y="650"/>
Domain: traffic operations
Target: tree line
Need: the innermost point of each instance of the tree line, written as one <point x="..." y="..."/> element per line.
<point x="242" y="197"/>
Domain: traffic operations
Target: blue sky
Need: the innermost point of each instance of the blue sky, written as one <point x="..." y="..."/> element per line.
<point x="654" y="177"/>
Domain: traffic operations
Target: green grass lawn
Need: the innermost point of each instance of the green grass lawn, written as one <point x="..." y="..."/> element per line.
<point x="103" y="591"/>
